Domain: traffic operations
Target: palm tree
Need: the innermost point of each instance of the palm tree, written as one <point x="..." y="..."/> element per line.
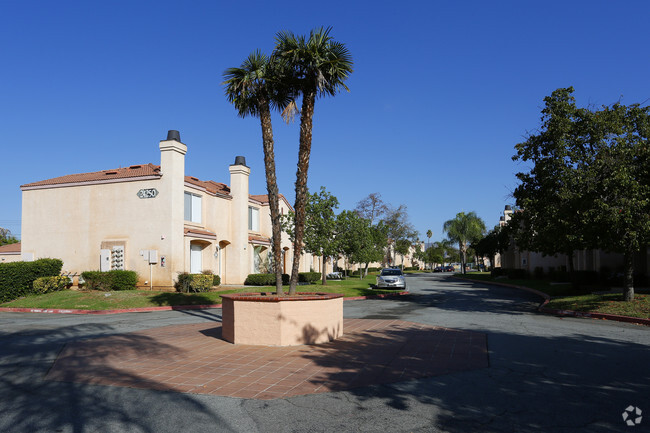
<point x="317" y="66"/>
<point x="253" y="89"/>
<point x="464" y="229"/>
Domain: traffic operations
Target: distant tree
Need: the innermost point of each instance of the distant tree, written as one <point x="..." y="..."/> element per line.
<point x="254" y="88"/>
<point x="318" y="66"/>
<point x="463" y="230"/>
<point x="399" y="230"/>
<point x="495" y="241"/>
<point x="357" y="239"/>
<point x="372" y="207"/>
<point x="6" y="237"/>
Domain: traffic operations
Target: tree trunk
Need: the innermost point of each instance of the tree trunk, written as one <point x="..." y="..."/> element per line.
<point x="365" y="271"/>
<point x="324" y="271"/>
<point x="304" y="152"/>
<point x="463" y="259"/>
<point x="272" y="189"/>
<point x="628" y="288"/>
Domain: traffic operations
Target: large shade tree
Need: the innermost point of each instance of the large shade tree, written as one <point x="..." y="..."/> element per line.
<point x="464" y="229"/>
<point x="254" y="88"/>
<point x="317" y="66"/>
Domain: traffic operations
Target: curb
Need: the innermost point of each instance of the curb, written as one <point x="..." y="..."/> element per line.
<point x="165" y="308"/>
<point x="565" y="313"/>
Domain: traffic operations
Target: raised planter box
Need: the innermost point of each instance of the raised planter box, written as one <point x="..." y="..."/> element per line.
<point x="271" y="320"/>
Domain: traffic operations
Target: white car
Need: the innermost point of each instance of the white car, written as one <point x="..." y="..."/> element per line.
<point x="391" y="278"/>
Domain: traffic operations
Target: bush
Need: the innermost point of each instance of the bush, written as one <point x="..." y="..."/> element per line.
<point x="17" y="278"/>
<point x="538" y="273"/>
<point x="265" y="279"/>
<point x="216" y="280"/>
<point x="497" y="272"/>
<point x="194" y="282"/>
<point x="50" y="284"/>
<point x="517" y="274"/>
<point x="309" y="277"/>
<point x="111" y="280"/>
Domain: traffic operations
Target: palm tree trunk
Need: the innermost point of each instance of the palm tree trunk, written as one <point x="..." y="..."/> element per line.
<point x="304" y="151"/>
<point x="272" y="189"/>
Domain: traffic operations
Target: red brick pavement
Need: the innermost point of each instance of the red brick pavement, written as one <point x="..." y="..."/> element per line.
<point x="194" y="359"/>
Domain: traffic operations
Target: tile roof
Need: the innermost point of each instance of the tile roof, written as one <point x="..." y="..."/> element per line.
<point x="209" y="185"/>
<point x="133" y="171"/>
<point x="200" y="233"/>
<point x="10" y="248"/>
<point x="264" y="199"/>
<point x="259" y="239"/>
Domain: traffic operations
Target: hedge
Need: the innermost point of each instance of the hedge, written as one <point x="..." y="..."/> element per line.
<point x="17" y="278"/>
<point x="308" y="277"/>
<point x="264" y="279"/>
<point x="44" y="285"/>
<point x="194" y="282"/>
<point x="111" y="280"/>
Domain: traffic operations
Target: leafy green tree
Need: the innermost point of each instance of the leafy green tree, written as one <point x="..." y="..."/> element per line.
<point x="589" y="186"/>
<point x="495" y="241"/>
<point x="254" y="88"/>
<point x="359" y="241"/>
<point x="618" y="177"/>
<point x="463" y="230"/>
<point x="318" y="66"/>
<point x="552" y="193"/>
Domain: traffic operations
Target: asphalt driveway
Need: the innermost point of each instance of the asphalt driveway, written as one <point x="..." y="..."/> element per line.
<point x="545" y="374"/>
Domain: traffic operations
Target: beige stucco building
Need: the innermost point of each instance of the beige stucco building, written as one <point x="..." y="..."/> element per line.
<point x="152" y="219"/>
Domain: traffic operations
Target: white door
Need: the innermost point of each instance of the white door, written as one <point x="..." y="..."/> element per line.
<point x="196" y="265"/>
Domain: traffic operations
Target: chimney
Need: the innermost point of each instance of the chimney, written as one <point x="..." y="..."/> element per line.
<point x="240" y="255"/>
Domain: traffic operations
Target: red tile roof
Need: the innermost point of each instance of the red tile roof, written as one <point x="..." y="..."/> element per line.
<point x="10" y="248"/>
<point x="209" y="185"/>
<point x="133" y="171"/>
<point x="264" y="199"/>
<point x="200" y="233"/>
<point x="259" y="239"/>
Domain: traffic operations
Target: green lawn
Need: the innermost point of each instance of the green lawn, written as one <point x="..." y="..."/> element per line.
<point x="564" y="297"/>
<point x="96" y="300"/>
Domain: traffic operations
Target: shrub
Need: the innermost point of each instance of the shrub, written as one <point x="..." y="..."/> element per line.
<point x="308" y="277"/>
<point x="517" y="274"/>
<point x="216" y="280"/>
<point x="538" y="273"/>
<point x="50" y="284"/>
<point x="111" y="280"/>
<point x="17" y="278"/>
<point x="497" y="272"/>
<point x="194" y="282"/>
<point x="265" y="279"/>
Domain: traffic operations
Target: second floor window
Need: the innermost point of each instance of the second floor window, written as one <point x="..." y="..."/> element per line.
<point x="192" y="207"/>
<point x="253" y="219"/>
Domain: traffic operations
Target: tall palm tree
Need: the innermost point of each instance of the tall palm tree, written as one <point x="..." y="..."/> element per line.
<point x="318" y="66"/>
<point x="464" y="229"/>
<point x="429" y="234"/>
<point x="253" y="89"/>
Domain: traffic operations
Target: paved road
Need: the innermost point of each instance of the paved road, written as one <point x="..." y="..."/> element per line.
<point x="546" y="374"/>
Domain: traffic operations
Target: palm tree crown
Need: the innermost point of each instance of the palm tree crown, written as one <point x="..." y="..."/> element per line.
<point x="464" y="229"/>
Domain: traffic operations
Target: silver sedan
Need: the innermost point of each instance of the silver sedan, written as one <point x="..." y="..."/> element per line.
<point x="391" y="278"/>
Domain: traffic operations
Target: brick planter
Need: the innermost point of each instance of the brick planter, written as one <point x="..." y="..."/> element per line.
<point x="271" y="320"/>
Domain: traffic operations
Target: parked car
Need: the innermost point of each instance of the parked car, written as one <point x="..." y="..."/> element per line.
<point x="450" y="269"/>
<point x="438" y="269"/>
<point x="391" y="278"/>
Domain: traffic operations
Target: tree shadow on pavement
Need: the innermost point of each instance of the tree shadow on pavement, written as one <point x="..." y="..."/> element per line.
<point x="534" y="383"/>
<point x="32" y="404"/>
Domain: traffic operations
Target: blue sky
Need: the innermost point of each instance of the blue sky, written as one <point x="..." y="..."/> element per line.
<point x="441" y="92"/>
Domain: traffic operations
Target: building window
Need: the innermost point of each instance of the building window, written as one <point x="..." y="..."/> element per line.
<point x="253" y="219"/>
<point x="192" y="207"/>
